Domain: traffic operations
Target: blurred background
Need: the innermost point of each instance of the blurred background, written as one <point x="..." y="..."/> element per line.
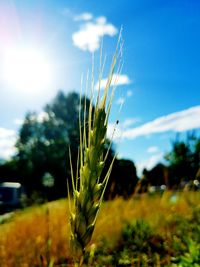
<point x="45" y="49"/>
<point x="151" y="215"/>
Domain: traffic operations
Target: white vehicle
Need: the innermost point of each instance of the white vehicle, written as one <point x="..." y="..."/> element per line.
<point x="10" y="195"/>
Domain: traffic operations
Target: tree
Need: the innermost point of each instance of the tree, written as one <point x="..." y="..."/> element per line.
<point x="123" y="179"/>
<point x="157" y="176"/>
<point x="44" y="141"/>
<point x="43" y="148"/>
<point x="184" y="159"/>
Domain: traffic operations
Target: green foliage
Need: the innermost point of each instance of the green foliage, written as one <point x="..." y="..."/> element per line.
<point x="140" y="245"/>
<point x="185" y="230"/>
<point x="184" y="159"/>
<point x="43" y="142"/>
<point x="43" y="148"/>
<point x="191" y="258"/>
<point x="186" y="239"/>
<point x="123" y="179"/>
<point x="48" y="180"/>
<point x="135" y="235"/>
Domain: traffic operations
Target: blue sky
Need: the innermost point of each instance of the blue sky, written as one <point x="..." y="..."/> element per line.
<point x="159" y="84"/>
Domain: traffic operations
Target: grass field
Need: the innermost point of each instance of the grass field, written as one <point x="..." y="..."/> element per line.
<point x="142" y="231"/>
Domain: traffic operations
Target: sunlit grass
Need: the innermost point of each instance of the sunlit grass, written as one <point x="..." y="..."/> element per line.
<point x="24" y="239"/>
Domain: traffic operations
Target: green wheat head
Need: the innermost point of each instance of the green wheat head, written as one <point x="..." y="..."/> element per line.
<point x="87" y="189"/>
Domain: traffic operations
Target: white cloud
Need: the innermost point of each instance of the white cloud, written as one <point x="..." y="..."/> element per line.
<point x="117" y="80"/>
<point x="7" y="149"/>
<point x="83" y="17"/>
<point x="152" y="149"/>
<point x="129" y="93"/>
<point x="150" y="162"/>
<point x="113" y="131"/>
<point x="129" y="121"/>
<point x="178" y="122"/>
<point x="18" y="122"/>
<point x="120" y="101"/>
<point x="90" y="33"/>
<point x="119" y="127"/>
<point x="6" y="133"/>
<point x="7" y="142"/>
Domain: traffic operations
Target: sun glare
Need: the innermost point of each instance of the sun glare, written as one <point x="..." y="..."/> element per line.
<point x="26" y="70"/>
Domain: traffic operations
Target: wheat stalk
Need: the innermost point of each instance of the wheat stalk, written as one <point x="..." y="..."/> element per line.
<point x="87" y="189"/>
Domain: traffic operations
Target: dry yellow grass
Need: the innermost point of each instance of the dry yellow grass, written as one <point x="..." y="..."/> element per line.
<point x="156" y="210"/>
<point x="23" y="240"/>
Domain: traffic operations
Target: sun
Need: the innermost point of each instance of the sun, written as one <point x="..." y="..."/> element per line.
<point x="26" y="70"/>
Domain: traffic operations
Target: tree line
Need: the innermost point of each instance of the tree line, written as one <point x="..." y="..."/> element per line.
<point x="182" y="169"/>
<point x="42" y="161"/>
